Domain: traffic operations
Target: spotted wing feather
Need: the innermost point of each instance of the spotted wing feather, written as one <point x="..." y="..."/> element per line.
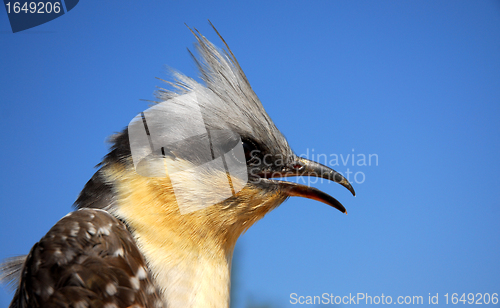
<point x="88" y="259"/>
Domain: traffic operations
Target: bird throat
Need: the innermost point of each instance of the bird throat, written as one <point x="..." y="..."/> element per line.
<point x="188" y="255"/>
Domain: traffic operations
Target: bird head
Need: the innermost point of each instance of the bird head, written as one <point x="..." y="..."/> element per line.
<point x="205" y="161"/>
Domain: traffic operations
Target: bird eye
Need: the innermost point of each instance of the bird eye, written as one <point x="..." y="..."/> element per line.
<point x="252" y="152"/>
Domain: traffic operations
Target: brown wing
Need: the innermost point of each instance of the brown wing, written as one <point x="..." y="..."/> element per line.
<point x="88" y="259"/>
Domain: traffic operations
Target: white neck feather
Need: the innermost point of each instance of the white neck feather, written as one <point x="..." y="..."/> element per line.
<point x="189" y="278"/>
<point x="189" y="255"/>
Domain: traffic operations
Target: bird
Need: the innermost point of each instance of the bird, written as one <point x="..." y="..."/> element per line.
<point x="157" y="223"/>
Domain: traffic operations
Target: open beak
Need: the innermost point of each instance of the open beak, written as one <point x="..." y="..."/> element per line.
<point x="304" y="167"/>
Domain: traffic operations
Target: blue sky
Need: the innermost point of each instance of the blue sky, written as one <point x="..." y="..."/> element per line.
<point x="416" y="83"/>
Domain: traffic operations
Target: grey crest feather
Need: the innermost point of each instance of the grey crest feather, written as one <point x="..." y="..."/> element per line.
<point x="226" y="99"/>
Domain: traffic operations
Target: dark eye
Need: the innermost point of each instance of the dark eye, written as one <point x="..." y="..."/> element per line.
<point x="252" y="152"/>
